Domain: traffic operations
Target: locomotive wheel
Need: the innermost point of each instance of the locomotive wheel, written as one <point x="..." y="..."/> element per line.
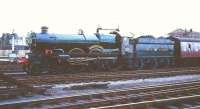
<point x="167" y="63"/>
<point x="77" y="52"/>
<point x="155" y="63"/>
<point x="92" y="66"/>
<point x="32" y="69"/>
<point x="141" y="64"/>
<point x="28" y="69"/>
<point x="102" y="65"/>
<point x="25" y="68"/>
<point x="136" y="64"/>
<point x="95" y="52"/>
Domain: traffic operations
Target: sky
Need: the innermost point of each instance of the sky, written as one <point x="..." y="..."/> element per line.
<point x="140" y="17"/>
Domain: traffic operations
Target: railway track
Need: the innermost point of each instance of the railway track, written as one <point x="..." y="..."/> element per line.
<point x="15" y="84"/>
<point x="104" y="76"/>
<point x="9" y="91"/>
<point x="185" y="102"/>
<point x="11" y="88"/>
<point x="138" y="97"/>
<point x="10" y="67"/>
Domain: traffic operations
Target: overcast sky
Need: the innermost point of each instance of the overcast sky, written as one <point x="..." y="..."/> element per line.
<point x="157" y="17"/>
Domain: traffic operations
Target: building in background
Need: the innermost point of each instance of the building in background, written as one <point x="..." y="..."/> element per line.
<point x="185" y="33"/>
<point x="12" y="43"/>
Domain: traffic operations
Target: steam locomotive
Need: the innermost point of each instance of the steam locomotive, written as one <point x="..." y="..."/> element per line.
<point x="58" y="52"/>
<point x="66" y="51"/>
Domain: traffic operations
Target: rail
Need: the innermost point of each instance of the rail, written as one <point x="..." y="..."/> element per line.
<point x="110" y="96"/>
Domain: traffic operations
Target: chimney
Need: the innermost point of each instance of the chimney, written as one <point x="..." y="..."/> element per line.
<point x="44" y="29"/>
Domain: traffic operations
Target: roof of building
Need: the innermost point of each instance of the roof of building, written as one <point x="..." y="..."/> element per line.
<point x="182" y="34"/>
